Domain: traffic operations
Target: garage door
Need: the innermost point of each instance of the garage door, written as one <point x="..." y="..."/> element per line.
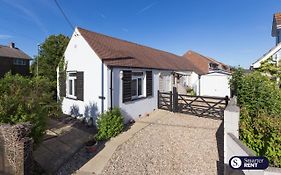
<point x="215" y="84"/>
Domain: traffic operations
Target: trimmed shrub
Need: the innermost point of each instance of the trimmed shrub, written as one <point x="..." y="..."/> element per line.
<point x="109" y="124"/>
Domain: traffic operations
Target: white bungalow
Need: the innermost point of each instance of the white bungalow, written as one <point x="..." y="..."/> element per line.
<point x="105" y="72"/>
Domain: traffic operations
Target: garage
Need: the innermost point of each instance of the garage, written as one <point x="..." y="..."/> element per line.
<point x="214" y="84"/>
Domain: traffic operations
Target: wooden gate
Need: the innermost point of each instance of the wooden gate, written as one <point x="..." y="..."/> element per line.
<point x="165" y="100"/>
<point x="202" y="106"/>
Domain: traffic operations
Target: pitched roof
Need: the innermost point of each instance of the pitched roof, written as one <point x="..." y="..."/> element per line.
<point x="202" y="62"/>
<point x="266" y="56"/>
<point x="121" y="53"/>
<point x="276" y="23"/>
<point x="8" y="52"/>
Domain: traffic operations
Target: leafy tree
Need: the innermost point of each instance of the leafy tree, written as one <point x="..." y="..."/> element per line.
<point x="51" y="52"/>
<point x="270" y="68"/>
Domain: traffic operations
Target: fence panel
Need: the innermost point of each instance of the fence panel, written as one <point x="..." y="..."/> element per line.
<point x="203" y="106"/>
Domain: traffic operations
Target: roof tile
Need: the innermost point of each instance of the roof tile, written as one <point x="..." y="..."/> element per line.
<point x="8" y="52"/>
<point x="202" y="62"/>
<point x="117" y="52"/>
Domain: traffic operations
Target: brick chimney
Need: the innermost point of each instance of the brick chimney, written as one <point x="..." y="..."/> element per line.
<point x="12" y="45"/>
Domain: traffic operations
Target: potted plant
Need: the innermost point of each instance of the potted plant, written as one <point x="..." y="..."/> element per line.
<point x="91" y="145"/>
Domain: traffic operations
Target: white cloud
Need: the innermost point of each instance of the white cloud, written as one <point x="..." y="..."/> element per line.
<point x="28" y="13"/>
<point x="125" y="30"/>
<point x="102" y="15"/>
<point x="2" y="36"/>
<point x="147" y="7"/>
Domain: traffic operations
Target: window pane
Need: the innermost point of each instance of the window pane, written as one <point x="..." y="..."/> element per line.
<point x="74" y="86"/>
<point x="72" y="74"/>
<point x="134" y="87"/>
<point x="139" y="86"/>
<point x="70" y="87"/>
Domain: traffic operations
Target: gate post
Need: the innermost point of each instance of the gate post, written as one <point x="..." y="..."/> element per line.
<point x="175" y="99"/>
<point x="158" y="99"/>
<point x="226" y="100"/>
<point x="171" y="101"/>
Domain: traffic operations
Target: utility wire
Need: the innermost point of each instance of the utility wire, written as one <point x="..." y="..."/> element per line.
<point x="64" y="15"/>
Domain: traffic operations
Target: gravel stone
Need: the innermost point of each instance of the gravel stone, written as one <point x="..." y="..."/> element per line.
<point x="174" y="144"/>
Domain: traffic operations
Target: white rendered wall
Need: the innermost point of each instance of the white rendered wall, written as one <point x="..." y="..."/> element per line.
<point x="215" y="84"/>
<point x="136" y="108"/>
<point x="193" y="82"/>
<point x="80" y="57"/>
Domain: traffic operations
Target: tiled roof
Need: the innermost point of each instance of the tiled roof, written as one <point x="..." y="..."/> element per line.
<point x="202" y="62"/>
<point x="275" y="23"/>
<point x="277" y="17"/>
<point x="120" y="53"/>
<point x="8" y="52"/>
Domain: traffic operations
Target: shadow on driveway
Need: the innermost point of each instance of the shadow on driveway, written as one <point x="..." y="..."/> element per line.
<point x="62" y="141"/>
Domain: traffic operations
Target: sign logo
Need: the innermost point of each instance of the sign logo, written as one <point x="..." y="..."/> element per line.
<point x="249" y="162"/>
<point x="235" y="162"/>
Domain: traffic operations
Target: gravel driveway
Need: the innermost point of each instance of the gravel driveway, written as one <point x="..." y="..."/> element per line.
<point x="174" y="144"/>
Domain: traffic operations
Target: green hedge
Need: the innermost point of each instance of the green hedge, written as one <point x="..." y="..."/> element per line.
<point x="262" y="134"/>
<point x="260" y="121"/>
<point x="110" y="124"/>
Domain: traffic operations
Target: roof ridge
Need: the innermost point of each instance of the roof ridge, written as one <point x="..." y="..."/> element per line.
<point x="115" y="38"/>
<point x="199" y="54"/>
<point x="207" y="57"/>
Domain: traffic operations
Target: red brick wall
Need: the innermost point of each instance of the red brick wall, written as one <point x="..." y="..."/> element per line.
<point x="7" y="64"/>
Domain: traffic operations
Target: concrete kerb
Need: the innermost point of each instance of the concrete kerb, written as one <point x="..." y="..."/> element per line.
<point x="96" y="164"/>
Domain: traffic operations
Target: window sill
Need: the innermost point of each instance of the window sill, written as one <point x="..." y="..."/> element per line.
<point x="138" y="98"/>
<point x="71" y="97"/>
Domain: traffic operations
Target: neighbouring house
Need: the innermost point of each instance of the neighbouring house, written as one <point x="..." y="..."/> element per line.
<point x="14" y="60"/>
<point x="212" y="77"/>
<point x="274" y="53"/>
<point x="103" y="72"/>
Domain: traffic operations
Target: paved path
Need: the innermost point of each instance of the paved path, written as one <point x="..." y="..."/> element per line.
<point x="163" y="143"/>
<point x="63" y="140"/>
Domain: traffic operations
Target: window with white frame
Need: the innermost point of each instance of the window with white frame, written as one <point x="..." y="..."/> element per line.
<point x="71" y="84"/>
<point x="19" y="61"/>
<point x="137" y="85"/>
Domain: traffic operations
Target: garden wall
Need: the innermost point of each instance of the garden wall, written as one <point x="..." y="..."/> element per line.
<point x="15" y="149"/>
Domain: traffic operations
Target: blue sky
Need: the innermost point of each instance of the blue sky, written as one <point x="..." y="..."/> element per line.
<point x="236" y="32"/>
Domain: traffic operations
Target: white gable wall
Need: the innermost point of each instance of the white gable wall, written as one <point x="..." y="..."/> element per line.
<point x="274" y="52"/>
<point x="80" y="57"/>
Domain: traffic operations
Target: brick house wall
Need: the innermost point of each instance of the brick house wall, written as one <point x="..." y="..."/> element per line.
<point x="7" y="64"/>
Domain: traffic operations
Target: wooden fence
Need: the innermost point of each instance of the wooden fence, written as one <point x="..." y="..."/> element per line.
<point x="203" y="106"/>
